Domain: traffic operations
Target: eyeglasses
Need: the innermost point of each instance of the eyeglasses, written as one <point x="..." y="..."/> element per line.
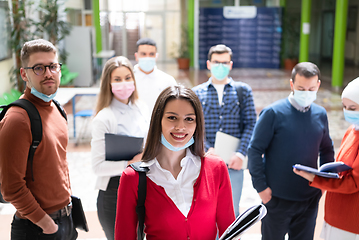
<point x="40" y="69"/>
<point x="223" y="63"/>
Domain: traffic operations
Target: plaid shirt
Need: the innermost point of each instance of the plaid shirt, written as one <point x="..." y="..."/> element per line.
<point x="226" y="117"/>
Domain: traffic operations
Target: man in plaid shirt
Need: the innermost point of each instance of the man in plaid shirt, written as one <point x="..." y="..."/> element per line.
<point x="222" y="109"/>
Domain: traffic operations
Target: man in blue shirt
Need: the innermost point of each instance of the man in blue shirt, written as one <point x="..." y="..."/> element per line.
<point x="290" y="131"/>
<point x="222" y="112"/>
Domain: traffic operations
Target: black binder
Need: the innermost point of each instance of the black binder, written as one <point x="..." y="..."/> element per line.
<point x="121" y="147"/>
<point x="78" y="214"/>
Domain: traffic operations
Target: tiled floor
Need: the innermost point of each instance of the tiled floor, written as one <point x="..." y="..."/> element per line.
<point x="268" y="86"/>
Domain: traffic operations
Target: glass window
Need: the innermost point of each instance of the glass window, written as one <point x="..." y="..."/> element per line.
<point x="173" y="32"/>
<point x="5" y="51"/>
<point x="135" y="19"/>
<point x="116" y="22"/>
<point x="173" y="5"/>
<point x="155" y="5"/>
<point x="134" y="5"/>
<point x="74" y="16"/>
<point x="114" y="5"/>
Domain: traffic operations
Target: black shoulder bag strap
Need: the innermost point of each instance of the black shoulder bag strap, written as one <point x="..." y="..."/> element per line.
<point x="240" y="96"/>
<point x="142" y="190"/>
<point x="36" y="126"/>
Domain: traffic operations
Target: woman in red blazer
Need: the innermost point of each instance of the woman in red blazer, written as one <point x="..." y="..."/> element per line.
<point x="188" y="194"/>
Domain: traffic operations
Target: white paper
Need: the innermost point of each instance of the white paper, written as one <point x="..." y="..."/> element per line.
<point x="225" y="146"/>
<point x="306" y="28"/>
<point x="240" y="12"/>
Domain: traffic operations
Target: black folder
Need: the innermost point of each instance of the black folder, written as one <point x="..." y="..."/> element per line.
<point x="121" y="147"/>
<point x="78" y="214"/>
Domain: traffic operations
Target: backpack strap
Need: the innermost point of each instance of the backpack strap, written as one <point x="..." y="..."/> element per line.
<point x="35" y="122"/>
<point x="240" y="95"/>
<point x="36" y="126"/>
<point x="142" y="190"/>
<point x="61" y="109"/>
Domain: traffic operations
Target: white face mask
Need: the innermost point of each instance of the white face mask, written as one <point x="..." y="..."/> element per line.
<point x="147" y="64"/>
<point x="304" y="98"/>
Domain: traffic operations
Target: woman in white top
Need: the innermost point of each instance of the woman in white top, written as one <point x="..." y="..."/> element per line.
<point x="118" y="111"/>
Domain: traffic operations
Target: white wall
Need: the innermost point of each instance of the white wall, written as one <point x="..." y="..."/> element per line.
<point x="5" y="67"/>
<point x="78" y="45"/>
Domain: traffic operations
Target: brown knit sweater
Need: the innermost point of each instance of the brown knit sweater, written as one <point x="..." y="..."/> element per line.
<point x="50" y="190"/>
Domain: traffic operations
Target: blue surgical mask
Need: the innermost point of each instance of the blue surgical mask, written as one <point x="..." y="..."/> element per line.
<point x="175" y="149"/>
<point x="220" y="71"/>
<point x="304" y="98"/>
<point x="147" y="64"/>
<point x="351" y="116"/>
<point x="44" y="97"/>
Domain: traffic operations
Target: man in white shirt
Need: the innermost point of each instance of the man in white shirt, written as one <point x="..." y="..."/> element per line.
<point x="150" y="81"/>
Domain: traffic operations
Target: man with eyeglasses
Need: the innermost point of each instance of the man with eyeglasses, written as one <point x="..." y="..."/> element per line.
<point x="40" y="193"/>
<point x="222" y="112"/>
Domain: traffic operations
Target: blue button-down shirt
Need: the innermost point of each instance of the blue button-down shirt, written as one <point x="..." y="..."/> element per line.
<point x="226" y="117"/>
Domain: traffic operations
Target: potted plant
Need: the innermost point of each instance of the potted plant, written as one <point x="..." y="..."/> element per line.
<point x="182" y="55"/>
<point x="290" y="42"/>
<point x="52" y="24"/>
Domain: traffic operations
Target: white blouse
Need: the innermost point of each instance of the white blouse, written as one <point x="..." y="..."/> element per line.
<point x="180" y="190"/>
<point x="119" y="118"/>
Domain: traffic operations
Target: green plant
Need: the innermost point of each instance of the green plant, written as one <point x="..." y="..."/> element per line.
<point x="183" y="51"/>
<point x="52" y="23"/>
<point x="21" y="32"/>
<point x="24" y="29"/>
<point x="290" y="35"/>
<point x="66" y="76"/>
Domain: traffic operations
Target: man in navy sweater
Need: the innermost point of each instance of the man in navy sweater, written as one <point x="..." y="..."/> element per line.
<point x="289" y="131"/>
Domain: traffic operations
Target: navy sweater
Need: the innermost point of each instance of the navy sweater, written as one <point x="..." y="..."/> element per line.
<point x="287" y="136"/>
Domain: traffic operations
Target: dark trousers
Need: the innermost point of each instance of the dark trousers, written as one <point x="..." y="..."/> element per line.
<point x="297" y="218"/>
<point x="106" y="207"/>
<point x="23" y="229"/>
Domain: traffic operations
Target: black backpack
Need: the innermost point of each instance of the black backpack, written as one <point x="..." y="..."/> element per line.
<point x="36" y="127"/>
<point x="239" y="89"/>
<point x="141" y="192"/>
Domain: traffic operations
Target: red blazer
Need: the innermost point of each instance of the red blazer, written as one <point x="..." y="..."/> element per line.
<point x="342" y="199"/>
<point x="212" y="207"/>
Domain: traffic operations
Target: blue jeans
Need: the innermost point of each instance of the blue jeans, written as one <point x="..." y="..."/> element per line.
<point x="236" y="177"/>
